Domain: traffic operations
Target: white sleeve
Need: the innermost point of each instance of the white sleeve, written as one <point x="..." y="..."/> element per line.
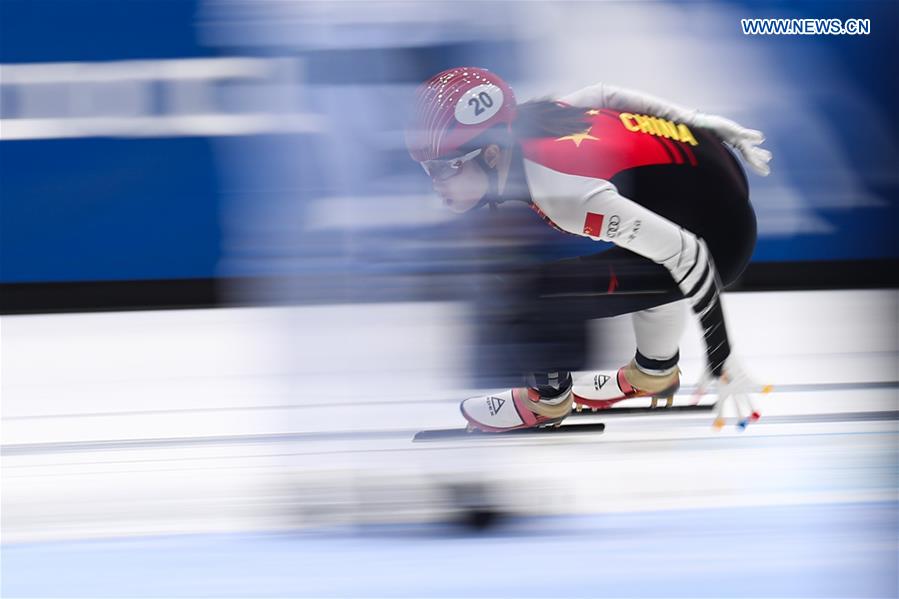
<point x="603" y="95"/>
<point x="629" y="225"/>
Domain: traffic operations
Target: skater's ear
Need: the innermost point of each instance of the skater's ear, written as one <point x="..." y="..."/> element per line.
<point x="491" y="155"/>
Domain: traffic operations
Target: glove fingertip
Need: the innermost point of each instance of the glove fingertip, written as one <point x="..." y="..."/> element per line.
<point x="761" y="168"/>
<point x="755" y="135"/>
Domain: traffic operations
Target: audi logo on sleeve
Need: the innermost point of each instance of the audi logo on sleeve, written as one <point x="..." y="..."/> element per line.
<point x="612" y="229"/>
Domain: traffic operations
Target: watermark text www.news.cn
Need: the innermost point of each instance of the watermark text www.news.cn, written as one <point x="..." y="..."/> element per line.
<point x="806" y="26"/>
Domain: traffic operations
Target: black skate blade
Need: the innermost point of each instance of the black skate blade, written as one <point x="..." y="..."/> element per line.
<point x="642" y="410"/>
<point x="446" y="434"/>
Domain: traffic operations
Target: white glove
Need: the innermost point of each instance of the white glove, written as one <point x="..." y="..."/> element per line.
<point x="746" y="141"/>
<point x="734" y="387"/>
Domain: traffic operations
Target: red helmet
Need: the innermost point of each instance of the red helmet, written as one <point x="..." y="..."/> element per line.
<point x="453" y="108"/>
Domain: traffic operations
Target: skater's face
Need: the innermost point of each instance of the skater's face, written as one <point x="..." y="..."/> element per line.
<point x="461" y="183"/>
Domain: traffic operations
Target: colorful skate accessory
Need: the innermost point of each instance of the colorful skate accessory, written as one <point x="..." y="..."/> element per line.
<point x="734" y="387"/>
<point x="743" y="407"/>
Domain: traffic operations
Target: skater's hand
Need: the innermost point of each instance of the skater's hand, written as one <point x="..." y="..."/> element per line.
<point x="734" y="387"/>
<point x="746" y="141"/>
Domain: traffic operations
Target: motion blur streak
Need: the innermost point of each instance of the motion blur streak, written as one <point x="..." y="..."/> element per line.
<point x="200" y="97"/>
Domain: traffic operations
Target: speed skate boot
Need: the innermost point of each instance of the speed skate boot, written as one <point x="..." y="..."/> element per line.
<point x="537" y="405"/>
<point x="601" y="390"/>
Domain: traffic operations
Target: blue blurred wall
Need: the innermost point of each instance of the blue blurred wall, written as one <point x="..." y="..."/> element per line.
<point x="149" y="208"/>
<point x="103" y="208"/>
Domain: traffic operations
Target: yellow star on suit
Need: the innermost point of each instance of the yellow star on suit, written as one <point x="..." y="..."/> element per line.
<point x="577" y="138"/>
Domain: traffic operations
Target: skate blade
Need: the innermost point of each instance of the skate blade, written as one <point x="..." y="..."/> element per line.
<point x="463" y="433"/>
<point x="622" y="411"/>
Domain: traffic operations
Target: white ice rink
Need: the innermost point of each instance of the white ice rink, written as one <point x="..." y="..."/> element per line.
<point x="268" y="452"/>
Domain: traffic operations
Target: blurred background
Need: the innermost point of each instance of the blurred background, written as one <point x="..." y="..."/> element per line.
<point x="231" y="299"/>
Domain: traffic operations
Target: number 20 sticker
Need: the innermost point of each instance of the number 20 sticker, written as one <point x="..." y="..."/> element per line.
<point x="479" y="104"/>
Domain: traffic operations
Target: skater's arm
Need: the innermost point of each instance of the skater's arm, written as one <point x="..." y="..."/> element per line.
<point x="603" y="95"/>
<point x="746" y="141"/>
<point x="629" y="225"/>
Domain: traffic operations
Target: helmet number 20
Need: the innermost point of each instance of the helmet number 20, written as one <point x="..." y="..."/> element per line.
<point x="481" y="102"/>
